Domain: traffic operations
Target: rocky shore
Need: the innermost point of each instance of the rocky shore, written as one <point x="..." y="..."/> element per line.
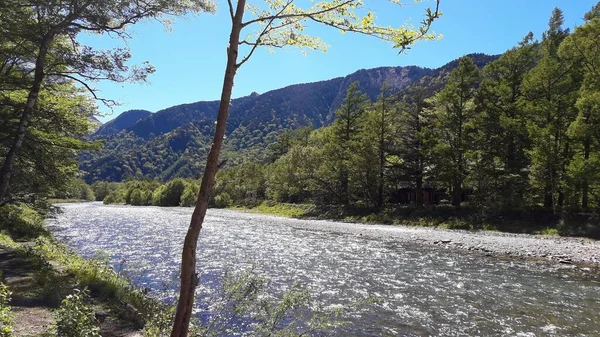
<point x="564" y="250"/>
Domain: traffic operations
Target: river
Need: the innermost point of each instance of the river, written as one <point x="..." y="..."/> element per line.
<point x="424" y="290"/>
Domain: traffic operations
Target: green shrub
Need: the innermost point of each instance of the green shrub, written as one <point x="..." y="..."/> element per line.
<point x="135" y="198"/>
<point x="223" y="200"/>
<point x="75" y="318"/>
<point x="115" y="197"/>
<point x="21" y="221"/>
<point x="169" y="194"/>
<point x="5" y="311"/>
<point x="190" y="194"/>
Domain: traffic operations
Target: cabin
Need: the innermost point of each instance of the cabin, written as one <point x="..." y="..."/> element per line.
<point x="431" y="196"/>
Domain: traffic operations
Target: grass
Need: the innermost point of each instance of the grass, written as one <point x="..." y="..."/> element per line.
<point x="59" y="270"/>
<point x="280" y="209"/>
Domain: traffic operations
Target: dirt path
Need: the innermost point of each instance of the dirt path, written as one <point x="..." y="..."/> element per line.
<point x="34" y="304"/>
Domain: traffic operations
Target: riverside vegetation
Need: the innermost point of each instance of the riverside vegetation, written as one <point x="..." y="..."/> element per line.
<point x="511" y="146"/>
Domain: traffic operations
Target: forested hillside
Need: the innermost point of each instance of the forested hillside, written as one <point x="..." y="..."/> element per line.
<point x="519" y="134"/>
<point x="173" y="142"/>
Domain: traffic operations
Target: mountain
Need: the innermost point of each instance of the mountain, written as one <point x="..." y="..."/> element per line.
<point x="122" y="122"/>
<point x="95" y="123"/>
<point x="174" y="142"/>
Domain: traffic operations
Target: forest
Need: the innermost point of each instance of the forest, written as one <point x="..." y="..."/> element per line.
<point x="518" y="135"/>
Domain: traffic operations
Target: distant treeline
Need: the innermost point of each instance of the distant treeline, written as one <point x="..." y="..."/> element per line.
<point x="177" y="192"/>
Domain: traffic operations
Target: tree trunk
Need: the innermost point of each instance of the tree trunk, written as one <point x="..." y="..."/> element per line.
<point x="585" y="188"/>
<point x="456" y="193"/>
<point x="458" y="180"/>
<point x="17" y="144"/>
<point x="419" y="190"/>
<point x="189" y="278"/>
<point x="548" y="198"/>
<point x="381" y="155"/>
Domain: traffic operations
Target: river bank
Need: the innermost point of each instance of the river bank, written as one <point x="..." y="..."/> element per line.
<point x="40" y="273"/>
<point x="564" y="250"/>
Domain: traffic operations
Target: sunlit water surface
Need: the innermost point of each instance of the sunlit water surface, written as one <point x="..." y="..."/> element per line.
<point x="425" y="291"/>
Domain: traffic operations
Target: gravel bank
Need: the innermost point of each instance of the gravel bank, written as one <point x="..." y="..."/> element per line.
<point x="563" y="250"/>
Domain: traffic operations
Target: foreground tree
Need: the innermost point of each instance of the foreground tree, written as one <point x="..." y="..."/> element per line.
<point x="280" y="24"/>
<point x="42" y="37"/>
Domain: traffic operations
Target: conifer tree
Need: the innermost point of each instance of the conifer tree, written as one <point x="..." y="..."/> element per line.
<point x="549" y="93"/>
<point x="582" y="51"/>
<point x="502" y="140"/>
<point x="346" y="129"/>
<point x="413" y="143"/>
<point x="455" y="114"/>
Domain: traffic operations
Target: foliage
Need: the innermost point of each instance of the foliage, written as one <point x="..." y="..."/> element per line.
<point x="5" y="311"/>
<point x="75" y="318"/>
<point x="242" y="305"/>
<point x="21" y="221"/>
<point x="76" y="189"/>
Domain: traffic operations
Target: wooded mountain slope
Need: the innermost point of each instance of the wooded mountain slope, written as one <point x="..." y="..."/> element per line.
<point x="174" y="142"/>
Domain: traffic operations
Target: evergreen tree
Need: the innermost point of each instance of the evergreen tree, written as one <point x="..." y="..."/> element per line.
<point x="376" y="136"/>
<point x="582" y="51"/>
<point x="549" y="93"/>
<point x="455" y="114"/>
<point x="413" y="141"/>
<point x="501" y="174"/>
<point x="346" y="129"/>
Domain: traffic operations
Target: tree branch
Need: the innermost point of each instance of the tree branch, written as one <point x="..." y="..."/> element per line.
<point x="105" y="101"/>
<point x="231" y="14"/>
<point x="278" y="16"/>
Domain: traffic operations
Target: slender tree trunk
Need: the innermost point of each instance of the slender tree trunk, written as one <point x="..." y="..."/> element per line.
<point x="189" y="278"/>
<point x="17" y="144"/>
<point x="419" y="190"/>
<point x="457" y="188"/>
<point x="548" y="198"/>
<point x="420" y="160"/>
<point x="456" y="193"/>
<point x="344" y="175"/>
<point x="585" y="188"/>
<point x="381" y="154"/>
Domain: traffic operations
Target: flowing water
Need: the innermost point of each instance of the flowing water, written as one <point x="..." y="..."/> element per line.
<point x="424" y="291"/>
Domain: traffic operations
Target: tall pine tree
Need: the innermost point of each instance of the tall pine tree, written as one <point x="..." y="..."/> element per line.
<point x="549" y="93"/>
<point x="455" y="114"/>
<point x="502" y="163"/>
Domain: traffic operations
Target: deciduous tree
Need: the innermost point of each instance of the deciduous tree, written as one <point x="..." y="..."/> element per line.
<point x="279" y="23"/>
<point x="43" y="35"/>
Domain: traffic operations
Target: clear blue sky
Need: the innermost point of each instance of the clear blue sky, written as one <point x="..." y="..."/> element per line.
<point x="190" y="59"/>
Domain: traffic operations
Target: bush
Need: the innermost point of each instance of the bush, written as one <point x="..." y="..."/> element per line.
<point x="75" y="318"/>
<point x="190" y="194"/>
<point x="76" y="189"/>
<point x="115" y="197"/>
<point x="5" y="311"/>
<point x="223" y="200"/>
<point x="135" y="198"/>
<point x="169" y="194"/>
<point x="21" y="221"/>
<point x="102" y="189"/>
